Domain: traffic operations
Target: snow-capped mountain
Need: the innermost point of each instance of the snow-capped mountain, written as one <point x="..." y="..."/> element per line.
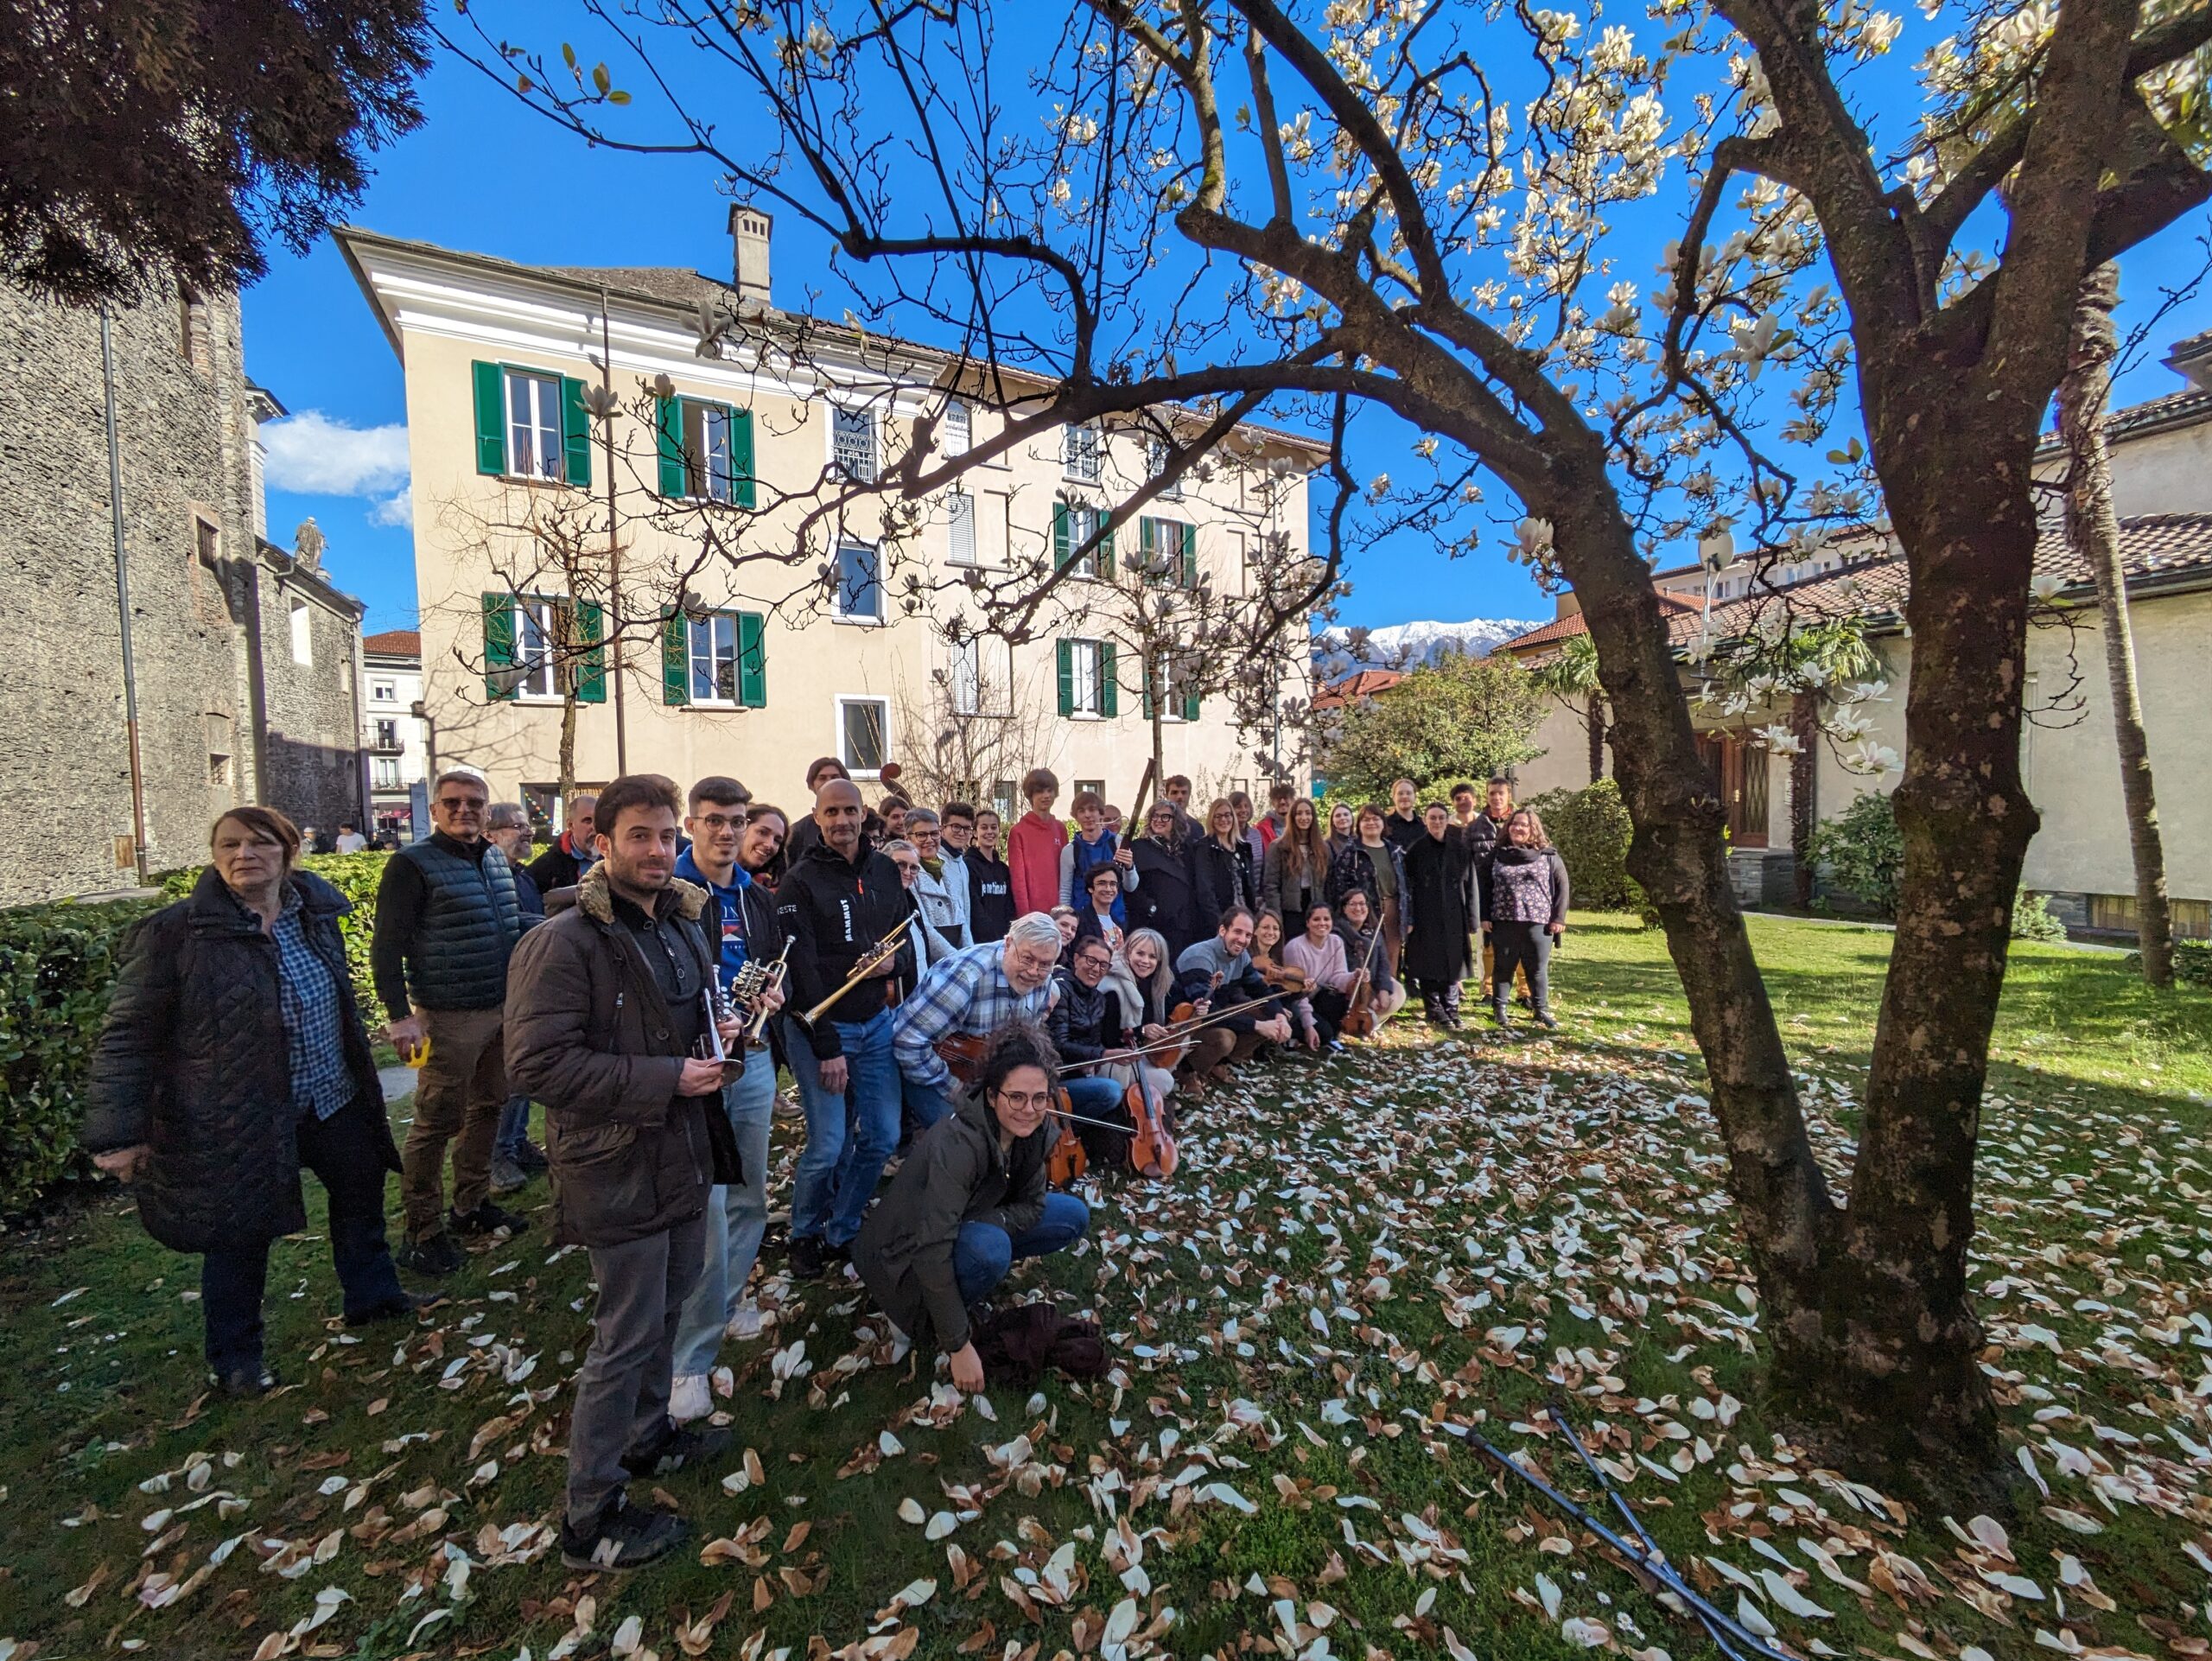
<point x="1410" y="645"/>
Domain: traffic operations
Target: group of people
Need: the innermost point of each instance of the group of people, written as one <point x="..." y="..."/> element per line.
<point x="932" y="993"/>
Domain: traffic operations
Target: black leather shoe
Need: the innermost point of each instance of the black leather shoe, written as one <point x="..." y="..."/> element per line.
<point x="622" y="1537"/>
<point x="679" y="1445"/>
<point x="436" y="1256"/>
<point x="487" y="1218"/>
<point x="807" y="1257"/>
<point x="405" y="1307"/>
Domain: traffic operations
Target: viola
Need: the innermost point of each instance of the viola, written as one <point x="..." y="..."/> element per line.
<point x="1359" y="1020"/>
<point x="1152" y="1147"/>
<point x="963" y="1053"/>
<point x="1068" y="1159"/>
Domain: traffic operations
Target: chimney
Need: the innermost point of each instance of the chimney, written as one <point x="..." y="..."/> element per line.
<point x="749" y="230"/>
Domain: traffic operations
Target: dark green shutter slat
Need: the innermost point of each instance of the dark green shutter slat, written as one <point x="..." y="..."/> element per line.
<point x="752" y="660"/>
<point x="1060" y="539"/>
<point x="499" y="644"/>
<point x="740" y="452"/>
<point x="1190" y="556"/>
<point x="668" y="418"/>
<point x="591" y="664"/>
<point x="675" y="660"/>
<point x="1189" y="706"/>
<point x="1109" y="695"/>
<point x="1065" y="650"/>
<point x="575" y="434"/>
<point x="491" y="418"/>
<point x="1106" y="557"/>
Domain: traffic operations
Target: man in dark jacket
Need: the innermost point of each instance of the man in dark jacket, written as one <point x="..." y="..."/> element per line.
<point x="447" y="921"/>
<point x="1481" y="834"/>
<point x="563" y="865"/>
<point x="969" y="1201"/>
<point x="1216" y="974"/>
<point x="612" y="1001"/>
<point x="1441" y="916"/>
<point x="837" y="904"/>
<point x="1403" y="827"/>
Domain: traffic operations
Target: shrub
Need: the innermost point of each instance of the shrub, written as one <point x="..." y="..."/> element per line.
<point x="56" y="965"/>
<point x="354" y="875"/>
<point x="1590" y="827"/>
<point x="1861" y="852"/>
<point x="2032" y="920"/>
<point x="2192" y="963"/>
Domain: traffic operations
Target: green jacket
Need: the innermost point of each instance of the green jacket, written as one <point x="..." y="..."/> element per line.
<point x="955" y="1174"/>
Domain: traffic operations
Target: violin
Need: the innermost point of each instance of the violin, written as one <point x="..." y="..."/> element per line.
<point x="963" y="1053"/>
<point x="1281" y="977"/>
<point x="1359" y="1020"/>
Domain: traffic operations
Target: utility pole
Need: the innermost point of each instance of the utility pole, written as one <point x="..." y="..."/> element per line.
<point x="614" y="611"/>
<point x="122" y="605"/>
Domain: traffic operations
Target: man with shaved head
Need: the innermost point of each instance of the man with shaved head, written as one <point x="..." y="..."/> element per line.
<point x="840" y="898"/>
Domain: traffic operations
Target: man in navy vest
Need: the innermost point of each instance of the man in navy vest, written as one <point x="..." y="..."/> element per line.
<point x="447" y="922"/>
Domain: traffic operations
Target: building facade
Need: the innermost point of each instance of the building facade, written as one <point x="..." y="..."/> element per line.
<point x="752" y="626"/>
<point x="244" y="659"/>
<point x="392" y="733"/>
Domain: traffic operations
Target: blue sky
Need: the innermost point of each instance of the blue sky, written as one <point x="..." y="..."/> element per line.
<point x="485" y="175"/>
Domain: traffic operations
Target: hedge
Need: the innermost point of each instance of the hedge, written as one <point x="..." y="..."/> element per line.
<point x="1591" y="829"/>
<point x="57" y="963"/>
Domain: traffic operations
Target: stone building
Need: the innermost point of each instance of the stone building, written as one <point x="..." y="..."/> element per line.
<point x="243" y="657"/>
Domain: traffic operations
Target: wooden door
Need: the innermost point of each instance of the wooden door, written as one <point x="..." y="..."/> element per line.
<point x="1741" y="770"/>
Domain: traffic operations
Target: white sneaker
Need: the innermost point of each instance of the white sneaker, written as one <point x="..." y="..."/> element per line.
<point x="689" y="1399"/>
<point x="745" y="1323"/>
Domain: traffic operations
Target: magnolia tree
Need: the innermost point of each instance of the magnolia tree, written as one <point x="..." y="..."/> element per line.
<point x="1407" y="215"/>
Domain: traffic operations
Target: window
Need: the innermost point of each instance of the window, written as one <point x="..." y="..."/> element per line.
<point x="219" y="748"/>
<point x="1086" y="678"/>
<point x="1006" y="801"/>
<point x="714" y="658"/>
<point x="1156" y="461"/>
<point x="1182" y="701"/>
<point x="194" y="340"/>
<point x="852" y="441"/>
<point x="383" y="772"/>
<point x="383" y="691"/>
<point x="1082" y="453"/>
<point x="706" y="451"/>
<point x="1096" y="786"/>
<point x="1170" y="551"/>
<point x="863" y="735"/>
<point x="387" y="735"/>
<point x="960" y="510"/>
<point x="303" y="633"/>
<point x="1074" y="525"/>
<point x="957" y="430"/>
<point x="532" y="674"/>
<point x="535" y="446"/>
<point x="207" y="542"/>
<point x="963" y="678"/>
<point x="859" y="582"/>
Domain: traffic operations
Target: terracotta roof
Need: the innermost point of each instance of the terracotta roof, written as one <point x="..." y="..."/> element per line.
<point x="2185" y="408"/>
<point x="1562" y="628"/>
<point x="1360" y="684"/>
<point x="393" y="643"/>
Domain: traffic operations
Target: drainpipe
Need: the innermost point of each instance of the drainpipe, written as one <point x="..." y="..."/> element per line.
<point x="123" y="603"/>
<point x="615" y="615"/>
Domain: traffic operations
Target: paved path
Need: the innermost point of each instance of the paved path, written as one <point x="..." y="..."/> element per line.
<point x="397" y="1082"/>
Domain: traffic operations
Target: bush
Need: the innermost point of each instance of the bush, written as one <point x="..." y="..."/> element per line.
<point x="1861" y="852"/>
<point x="2192" y="963"/>
<point x="57" y="963"/>
<point x="2032" y="920"/>
<point x="1590" y="827"/>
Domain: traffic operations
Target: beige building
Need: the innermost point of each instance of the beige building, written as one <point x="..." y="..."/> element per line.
<point x="758" y="624"/>
<point x="2161" y="466"/>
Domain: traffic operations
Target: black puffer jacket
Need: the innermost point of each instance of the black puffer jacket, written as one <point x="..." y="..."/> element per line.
<point x="192" y="1063"/>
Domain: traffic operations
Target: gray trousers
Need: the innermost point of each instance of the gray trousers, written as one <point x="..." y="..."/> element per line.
<point x="622" y="1391"/>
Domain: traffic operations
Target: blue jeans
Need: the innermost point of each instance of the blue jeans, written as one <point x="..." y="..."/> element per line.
<point x="849" y="1136"/>
<point x="514" y="1129"/>
<point x="737" y="1218"/>
<point x="984" y="1251"/>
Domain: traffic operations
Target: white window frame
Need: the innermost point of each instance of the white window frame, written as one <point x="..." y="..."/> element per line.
<point x="959" y="511"/>
<point x="704" y="628"/>
<point x="709" y="439"/>
<point x="842" y="416"/>
<point x="383" y="772"/>
<point x="1086" y="659"/>
<point x="383" y="691"/>
<point x="538" y="681"/>
<point x="963" y="676"/>
<point x="847" y="700"/>
<point x="379" y="738"/>
<point x="532" y="416"/>
<point x="302" y="621"/>
<point x="1084" y="520"/>
<point x="956" y="432"/>
<point x="1156" y="462"/>
<point x="1082" y="452"/>
<point x="843" y="612"/>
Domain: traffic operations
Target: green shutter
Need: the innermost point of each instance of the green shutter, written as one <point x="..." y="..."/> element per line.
<point x="1190" y="556"/>
<point x="1110" y="694"/>
<point x="740" y="453"/>
<point x="491" y="418"/>
<point x="1060" y="546"/>
<point x="1106" y="557"/>
<point x="668" y="418"/>
<point x="498" y="644"/>
<point x="591" y="664"/>
<point x="752" y="658"/>
<point x="1189" y="706"/>
<point x="675" y="659"/>
<point x="1066" y="650"/>
<point x="575" y="435"/>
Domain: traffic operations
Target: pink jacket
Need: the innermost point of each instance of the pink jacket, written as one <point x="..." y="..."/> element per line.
<point x="1033" y="851"/>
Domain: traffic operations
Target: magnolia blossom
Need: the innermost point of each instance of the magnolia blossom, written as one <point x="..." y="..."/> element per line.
<point x="2044" y="584"/>
<point x="1847" y="723"/>
<point x="1870" y="757"/>
<point x="1781" y="740"/>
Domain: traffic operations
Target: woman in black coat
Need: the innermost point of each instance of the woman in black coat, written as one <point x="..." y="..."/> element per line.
<point x="1440" y="916"/>
<point x="1167" y="897"/>
<point x="1222" y="876"/>
<point x="232" y="1055"/>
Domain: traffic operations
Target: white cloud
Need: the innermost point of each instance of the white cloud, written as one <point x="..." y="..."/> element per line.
<point x="397" y="509"/>
<point x="311" y="454"/>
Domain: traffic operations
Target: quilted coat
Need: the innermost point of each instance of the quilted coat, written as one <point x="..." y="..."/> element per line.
<point x="192" y="1063"/>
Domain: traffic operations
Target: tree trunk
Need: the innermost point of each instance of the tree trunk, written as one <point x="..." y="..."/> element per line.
<point x="1679" y="856"/>
<point x="1804" y="789"/>
<point x="1595" y="719"/>
<point x="2092" y="529"/>
<point x="568" y="758"/>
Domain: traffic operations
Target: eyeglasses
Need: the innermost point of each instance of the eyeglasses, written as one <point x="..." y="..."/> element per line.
<point x="1038" y="1100"/>
<point x="461" y="803"/>
<point x="723" y="822"/>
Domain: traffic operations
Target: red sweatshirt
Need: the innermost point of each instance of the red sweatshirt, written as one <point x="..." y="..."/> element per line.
<point x="1033" y="851"/>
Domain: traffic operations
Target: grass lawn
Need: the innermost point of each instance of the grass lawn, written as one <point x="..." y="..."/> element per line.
<point x="1354" y="1260"/>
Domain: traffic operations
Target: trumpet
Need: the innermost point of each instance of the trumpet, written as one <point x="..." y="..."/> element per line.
<point x="756" y="978"/>
<point x="886" y="948"/>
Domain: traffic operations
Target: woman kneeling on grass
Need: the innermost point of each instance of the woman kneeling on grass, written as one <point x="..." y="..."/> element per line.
<point x="969" y="1199"/>
<point x="233" y="1056"/>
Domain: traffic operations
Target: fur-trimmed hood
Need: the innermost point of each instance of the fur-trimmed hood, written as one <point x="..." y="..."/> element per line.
<point x="595" y="898"/>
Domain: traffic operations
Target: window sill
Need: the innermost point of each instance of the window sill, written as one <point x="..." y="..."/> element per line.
<point x="718" y="706"/>
<point x="862" y="622"/>
<point x="1088" y="715"/>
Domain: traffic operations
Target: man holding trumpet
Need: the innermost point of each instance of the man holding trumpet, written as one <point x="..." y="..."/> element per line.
<point x="845" y="911"/>
<point x="750" y="974"/>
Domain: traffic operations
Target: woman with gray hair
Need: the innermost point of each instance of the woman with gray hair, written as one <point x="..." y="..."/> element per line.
<point x="1144" y="980"/>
